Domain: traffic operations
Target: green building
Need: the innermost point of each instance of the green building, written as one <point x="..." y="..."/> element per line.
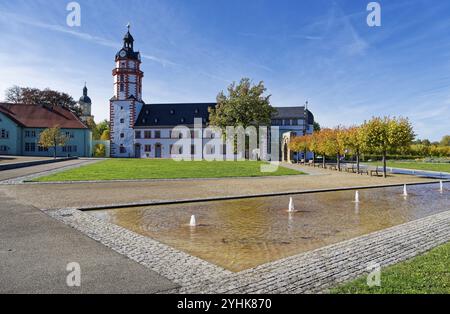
<point x="21" y="125"/>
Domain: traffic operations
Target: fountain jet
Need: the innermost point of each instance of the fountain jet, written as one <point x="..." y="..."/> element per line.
<point x="291" y="205"/>
<point x="441" y="186"/>
<point x="357" y="197"/>
<point x="193" y="222"/>
<point x="405" y="191"/>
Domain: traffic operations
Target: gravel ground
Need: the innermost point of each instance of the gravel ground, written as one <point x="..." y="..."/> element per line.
<point x="68" y="195"/>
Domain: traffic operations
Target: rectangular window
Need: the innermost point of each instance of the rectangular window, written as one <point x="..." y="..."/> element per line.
<point x="157" y="134"/>
<point x="122" y="135"/>
<point x="42" y="149"/>
<point x="30" y="147"/>
<point x="148" y="148"/>
<point x="122" y="150"/>
<point x="4" y="134"/>
<point x="147" y="134"/>
<point x="122" y="88"/>
<point x="137" y="134"/>
<point x="4" y="148"/>
<point x="70" y="134"/>
<point x="122" y="120"/>
<point x="192" y="149"/>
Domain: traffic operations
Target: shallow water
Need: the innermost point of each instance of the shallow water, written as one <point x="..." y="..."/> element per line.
<point x="240" y="234"/>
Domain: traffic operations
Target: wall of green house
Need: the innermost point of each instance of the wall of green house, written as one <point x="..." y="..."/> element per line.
<point x="19" y="141"/>
<point x="12" y="142"/>
<point x="79" y="143"/>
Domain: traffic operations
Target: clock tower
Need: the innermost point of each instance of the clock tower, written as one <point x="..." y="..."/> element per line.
<point x="127" y="102"/>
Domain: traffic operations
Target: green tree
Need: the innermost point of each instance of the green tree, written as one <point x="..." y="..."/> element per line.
<point x="101" y="128"/>
<point x="100" y="150"/>
<point x="317" y="126"/>
<point x="52" y="137"/>
<point x="445" y="141"/>
<point x="244" y="105"/>
<point x="46" y="97"/>
<point x="105" y="136"/>
<point x="388" y="135"/>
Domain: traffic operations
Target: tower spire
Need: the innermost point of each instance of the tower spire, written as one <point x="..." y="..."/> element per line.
<point x="128" y="40"/>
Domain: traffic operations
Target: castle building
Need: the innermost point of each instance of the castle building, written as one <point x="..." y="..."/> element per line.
<point x="140" y="130"/>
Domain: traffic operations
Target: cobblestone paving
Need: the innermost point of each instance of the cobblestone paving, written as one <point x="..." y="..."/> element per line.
<point x="309" y="272"/>
<point x="175" y="265"/>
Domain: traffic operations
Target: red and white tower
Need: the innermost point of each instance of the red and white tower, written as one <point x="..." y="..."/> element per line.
<point x="127" y="100"/>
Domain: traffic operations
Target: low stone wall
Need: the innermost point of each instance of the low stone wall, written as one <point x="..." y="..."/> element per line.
<point x="24" y="164"/>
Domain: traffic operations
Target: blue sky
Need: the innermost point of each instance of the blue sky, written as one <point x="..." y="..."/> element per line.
<point x="321" y="51"/>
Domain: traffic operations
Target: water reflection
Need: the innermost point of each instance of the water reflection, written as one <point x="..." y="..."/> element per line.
<point x="240" y="234"/>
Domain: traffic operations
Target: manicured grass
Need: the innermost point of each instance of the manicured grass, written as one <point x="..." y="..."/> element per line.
<point x="128" y="169"/>
<point x="428" y="273"/>
<point x="444" y="167"/>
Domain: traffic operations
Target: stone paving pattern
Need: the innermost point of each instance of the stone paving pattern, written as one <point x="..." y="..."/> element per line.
<point x="309" y="272"/>
<point x="173" y="264"/>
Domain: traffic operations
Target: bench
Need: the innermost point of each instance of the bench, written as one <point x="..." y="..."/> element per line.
<point x="363" y="170"/>
<point x="374" y="171"/>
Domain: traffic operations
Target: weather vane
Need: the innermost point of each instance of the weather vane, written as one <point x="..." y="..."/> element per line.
<point x="128" y="26"/>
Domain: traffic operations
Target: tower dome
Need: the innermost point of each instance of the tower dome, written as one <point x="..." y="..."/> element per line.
<point x="85" y="98"/>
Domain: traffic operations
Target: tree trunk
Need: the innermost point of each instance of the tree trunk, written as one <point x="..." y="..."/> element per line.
<point x="384" y="165"/>
<point x="357" y="162"/>
<point x="55" y="144"/>
<point x="323" y="161"/>
<point x="304" y="157"/>
<point x="314" y="158"/>
<point x="338" y="162"/>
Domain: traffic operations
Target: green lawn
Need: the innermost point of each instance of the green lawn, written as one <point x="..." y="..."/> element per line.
<point x="428" y="273"/>
<point x="444" y="167"/>
<point x="128" y="169"/>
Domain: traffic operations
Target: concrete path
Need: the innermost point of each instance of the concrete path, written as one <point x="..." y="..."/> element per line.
<point x="35" y="250"/>
<point x="21" y="172"/>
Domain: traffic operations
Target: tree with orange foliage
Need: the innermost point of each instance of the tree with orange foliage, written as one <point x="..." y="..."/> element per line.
<point x="354" y="141"/>
<point x="300" y="144"/>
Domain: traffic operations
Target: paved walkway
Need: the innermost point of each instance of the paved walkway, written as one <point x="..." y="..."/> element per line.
<point x="21" y="172"/>
<point x="35" y="250"/>
<point x="6" y="159"/>
<point x="54" y="196"/>
<point x="309" y="272"/>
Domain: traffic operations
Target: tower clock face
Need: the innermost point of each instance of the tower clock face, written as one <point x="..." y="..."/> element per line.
<point x="123" y="53"/>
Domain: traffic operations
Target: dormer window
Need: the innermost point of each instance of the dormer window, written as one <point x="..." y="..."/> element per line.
<point x="143" y="120"/>
<point x="156" y="120"/>
<point x="146" y="112"/>
<point x="172" y="111"/>
<point x="182" y="120"/>
<point x="196" y="111"/>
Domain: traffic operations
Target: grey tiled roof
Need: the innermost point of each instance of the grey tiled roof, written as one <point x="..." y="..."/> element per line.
<point x="169" y="115"/>
<point x="293" y="113"/>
